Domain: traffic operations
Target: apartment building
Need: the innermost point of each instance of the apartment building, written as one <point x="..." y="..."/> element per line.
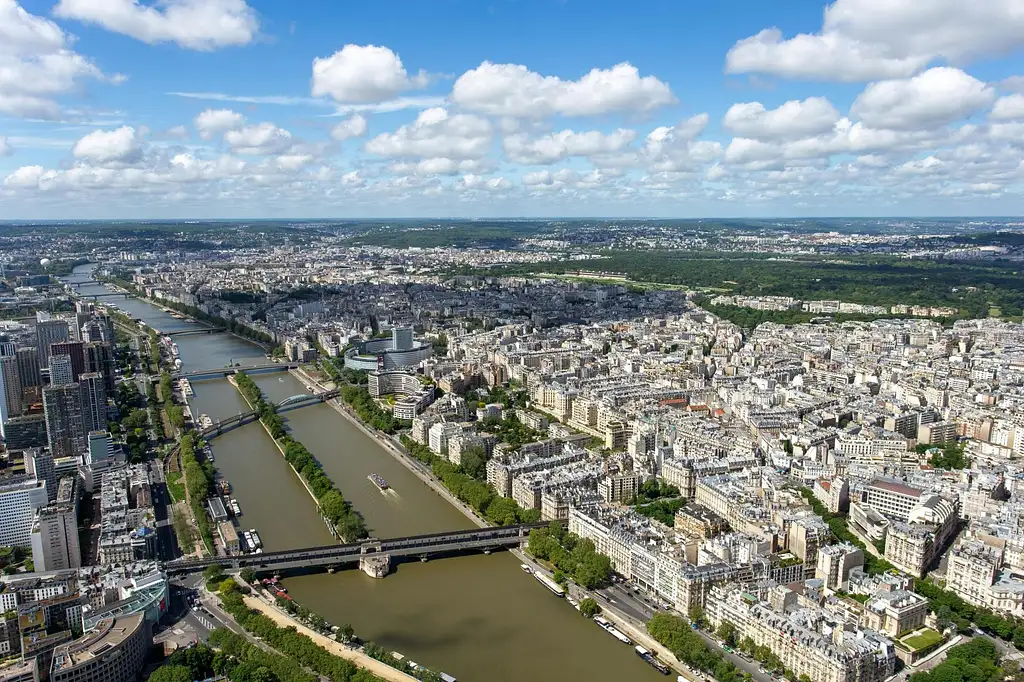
<point x="808" y="641"/>
<point x="19" y="500"/>
<point x="835" y="562"/>
<point x="915" y="545"/>
<point x="976" y="573"/>
<point x="55" y="531"/>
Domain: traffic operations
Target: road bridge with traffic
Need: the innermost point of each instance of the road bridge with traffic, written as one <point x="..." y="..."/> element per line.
<point x="419" y="547"/>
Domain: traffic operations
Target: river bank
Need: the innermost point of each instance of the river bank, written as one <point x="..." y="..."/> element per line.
<point x="399" y="453"/>
<point x="477" y="617"/>
<point x="330" y="526"/>
<point x="267" y="347"/>
<point x="360" y="659"/>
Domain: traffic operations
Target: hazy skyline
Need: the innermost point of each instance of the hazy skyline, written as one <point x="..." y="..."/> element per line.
<point x="228" y="108"/>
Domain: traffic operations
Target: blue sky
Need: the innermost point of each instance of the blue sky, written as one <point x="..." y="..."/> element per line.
<point x="249" y="108"/>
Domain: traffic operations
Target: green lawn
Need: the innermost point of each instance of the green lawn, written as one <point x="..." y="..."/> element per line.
<point x="922" y="639"/>
<point x="175" y="486"/>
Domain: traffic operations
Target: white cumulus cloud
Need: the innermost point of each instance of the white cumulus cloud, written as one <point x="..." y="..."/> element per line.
<point x="361" y="74"/>
<point x="1008" y="108"/>
<point x="937" y="97"/>
<point x="864" y="40"/>
<point x="436" y="133"/>
<point x="212" y="122"/>
<point x="794" y="119"/>
<point x="192" y="24"/>
<point x="353" y="126"/>
<point x="259" y="140"/>
<point x="513" y="90"/>
<point x="565" y="143"/>
<point x="122" y="145"/>
<point x="36" y="64"/>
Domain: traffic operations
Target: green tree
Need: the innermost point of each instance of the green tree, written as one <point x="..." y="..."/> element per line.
<point x="172" y="673"/>
<point x="248" y="575"/>
<point x="589" y="607"/>
<point x="347" y="632"/>
<point x="727" y="633"/>
<point x="227" y="586"/>
<point x="213" y="573"/>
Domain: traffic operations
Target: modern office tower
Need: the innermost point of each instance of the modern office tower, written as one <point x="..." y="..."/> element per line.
<point x="84" y="307"/>
<point x="94" y="402"/>
<point x="54" y="540"/>
<point x="4" y="415"/>
<point x="24" y="432"/>
<point x="10" y="386"/>
<point x="101" y="447"/>
<point x="98" y="328"/>
<point x="49" y="332"/>
<point x="77" y="323"/>
<point x="401" y="338"/>
<point x="65" y="426"/>
<point x="62" y="370"/>
<point x="100" y="358"/>
<point x="28" y="366"/>
<point x="39" y="463"/>
<point x="10" y="383"/>
<point x="103" y="455"/>
<point x="19" y="500"/>
<point x="74" y="350"/>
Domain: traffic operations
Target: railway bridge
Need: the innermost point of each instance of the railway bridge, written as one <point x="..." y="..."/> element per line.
<point x="418" y="547"/>
<point x="221" y="372"/>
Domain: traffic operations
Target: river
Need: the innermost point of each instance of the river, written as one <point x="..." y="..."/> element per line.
<point x="478" y="618"/>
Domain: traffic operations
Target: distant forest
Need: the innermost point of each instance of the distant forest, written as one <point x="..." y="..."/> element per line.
<point x="976" y="290"/>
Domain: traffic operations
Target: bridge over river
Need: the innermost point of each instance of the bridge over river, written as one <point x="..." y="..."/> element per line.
<point x="418" y="547"/>
<point x="222" y="372"/>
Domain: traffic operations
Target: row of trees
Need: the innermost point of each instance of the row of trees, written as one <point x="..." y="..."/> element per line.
<point x="950" y="608"/>
<point x="572" y="556"/>
<point x="973" y="661"/>
<point x="686" y="644"/>
<point x="499" y="510"/>
<point x="837" y="524"/>
<point x="297" y="647"/>
<point x="358" y="398"/>
<point x="198" y="481"/>
<point x="231" y="325"/>
<point x="348" y="522"/>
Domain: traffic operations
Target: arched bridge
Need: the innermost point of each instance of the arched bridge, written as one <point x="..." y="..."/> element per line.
<point x="303" y="399"/>
<point x="419" y="546"/>
<point x="229" y="423"/>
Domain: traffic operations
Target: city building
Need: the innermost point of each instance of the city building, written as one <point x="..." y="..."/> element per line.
<point x="388" y="353"/>
<point x="74" y="351"/>
<point x="40" y="464"/>
<point x="94" y="401"/>
<point x="48" y="332"/>
<point x="19" y="500"/>
<point x="114" y="651"/>
<point x="55" y="544"/>
<point x="65" y="423"/>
